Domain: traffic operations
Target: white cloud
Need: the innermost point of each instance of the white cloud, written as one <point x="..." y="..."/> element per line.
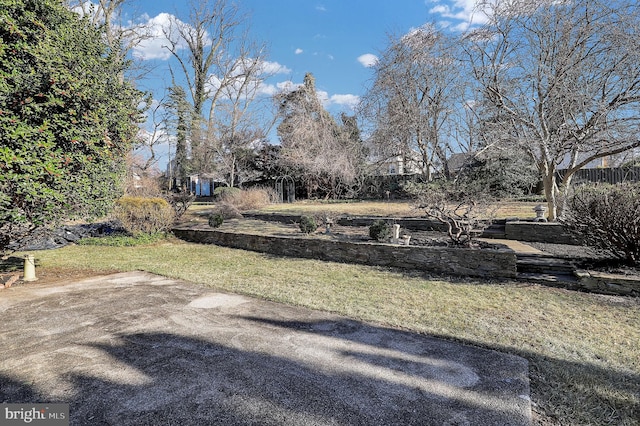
<point x="350" y="101"/>
<point x="287" y="86"/>
<point x="298" y="51"/>
<point x="323" y="97"/>
<point x="368" y="60"/>
<point x="154" y="42"/>
<point x="267" y="89"/>
<point x="466" y="11"/>
<point x="153" y="47"/>
<point x="274" y="68"/>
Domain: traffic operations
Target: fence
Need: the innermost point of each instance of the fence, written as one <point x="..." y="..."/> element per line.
<point x="604" y="175"/>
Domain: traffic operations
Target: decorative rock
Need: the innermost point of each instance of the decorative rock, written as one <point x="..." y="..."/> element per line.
<point x="540" y="209"/>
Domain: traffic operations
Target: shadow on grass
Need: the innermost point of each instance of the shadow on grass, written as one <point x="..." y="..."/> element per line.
<point x="12" y="264"/>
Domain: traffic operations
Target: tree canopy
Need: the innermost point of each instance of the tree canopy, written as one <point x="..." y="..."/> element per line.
<point x="560" y="81"/>
<point x="326" y="155"/>
<point x="67" y="117"/>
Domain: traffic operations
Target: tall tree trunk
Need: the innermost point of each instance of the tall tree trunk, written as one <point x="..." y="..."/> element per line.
<point x="551" y="193"/>
<point x="232" y="175"/>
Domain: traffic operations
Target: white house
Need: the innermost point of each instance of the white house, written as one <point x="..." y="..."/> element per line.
<point x="409" y="164"/>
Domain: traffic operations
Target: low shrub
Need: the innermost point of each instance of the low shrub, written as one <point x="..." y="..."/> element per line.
<point x="380" y="230"/>
<point x="216" y="220"/>
<point x="464" y="211"/>
<point x="224" y="193"/>
<point x="308" y="224"/>
<point x="247" y="199"/>
<point x="606" y="217"/>
<point x="180" y="202"/>
<point x="144" y="214"/>
<point x="227" y="211"/>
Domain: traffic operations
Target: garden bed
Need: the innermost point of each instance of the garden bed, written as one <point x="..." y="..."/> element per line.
<point x="353" y="245"/>
<point x="594" y="264"/>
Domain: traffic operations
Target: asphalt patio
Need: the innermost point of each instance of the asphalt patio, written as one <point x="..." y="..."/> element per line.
<point x="141" y="349"/>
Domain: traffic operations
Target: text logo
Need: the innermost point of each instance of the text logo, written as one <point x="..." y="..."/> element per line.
<point x="34" y="414"/>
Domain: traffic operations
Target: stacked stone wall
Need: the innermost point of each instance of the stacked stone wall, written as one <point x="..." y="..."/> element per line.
<point x="498" y="263"/>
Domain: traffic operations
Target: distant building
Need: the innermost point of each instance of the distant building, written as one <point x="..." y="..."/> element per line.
<point x="401" y="165"/>
<point x="458" y="161"/>
<point x="201" y="185"/>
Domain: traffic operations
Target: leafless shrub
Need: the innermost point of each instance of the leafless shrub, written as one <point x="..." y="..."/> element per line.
<point x="227" y="211"/>
<point x="250" y="199"/>
<point x="180" y="202"/>
<point x="466" y="214"/>
<point x="607" y="217"/>
<point x="144" y="214"/>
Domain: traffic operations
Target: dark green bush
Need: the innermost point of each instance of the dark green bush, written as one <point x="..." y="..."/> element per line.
<point x="308" y="224"/>
<point x="380" y="230"/>
<point x="215" y="220"/>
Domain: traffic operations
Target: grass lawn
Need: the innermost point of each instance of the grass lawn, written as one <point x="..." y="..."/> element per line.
<point x="583" y="349"/>
<point x="504" y="209"/>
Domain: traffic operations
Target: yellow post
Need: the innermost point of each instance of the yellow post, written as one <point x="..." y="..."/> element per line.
<point x="29" y="268"/>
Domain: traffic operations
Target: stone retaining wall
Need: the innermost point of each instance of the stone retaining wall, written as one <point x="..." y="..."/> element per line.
<point x="605" y="283"/>
<point x="455" y="261"/>
<point x="541" y="232"/>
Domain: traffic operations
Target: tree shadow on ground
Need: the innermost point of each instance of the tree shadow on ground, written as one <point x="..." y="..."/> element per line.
<point x="585" y="388"/>
<point x="11" y="264"/>
<point x="161" y="378"/>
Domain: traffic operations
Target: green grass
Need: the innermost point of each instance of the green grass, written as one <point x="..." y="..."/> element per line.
<point x="123" y="240"/>
<point x="583" y="349"/>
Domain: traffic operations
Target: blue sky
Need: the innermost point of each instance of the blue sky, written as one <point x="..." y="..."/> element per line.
<point x="336" y="40"/>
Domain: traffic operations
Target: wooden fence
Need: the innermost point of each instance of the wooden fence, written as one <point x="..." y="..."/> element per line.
<point x="604" y="175"/>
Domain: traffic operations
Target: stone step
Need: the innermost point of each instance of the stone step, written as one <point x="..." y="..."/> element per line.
<point x="547" y="278"/>
<point x="494" y="233"/>
<point x="495" y="230"/>
<point x="544" y="265"/>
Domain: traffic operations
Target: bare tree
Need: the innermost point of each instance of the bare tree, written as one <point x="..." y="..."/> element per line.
<point x="239" y="125"/>
<point x="326" y="154"/>
<point x="223" y="71"/>
<point x="414" y="93"/>
<point x="148" y="141"/>
<point x="560" y="80"/>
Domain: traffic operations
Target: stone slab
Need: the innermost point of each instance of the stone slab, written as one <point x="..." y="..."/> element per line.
<point x="137" y="348"/>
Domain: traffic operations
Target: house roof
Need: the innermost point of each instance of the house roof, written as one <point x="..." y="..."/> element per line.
<point x="459" y="159"/>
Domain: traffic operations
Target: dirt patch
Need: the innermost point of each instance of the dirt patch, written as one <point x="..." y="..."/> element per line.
<point x="49" y="275"/>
